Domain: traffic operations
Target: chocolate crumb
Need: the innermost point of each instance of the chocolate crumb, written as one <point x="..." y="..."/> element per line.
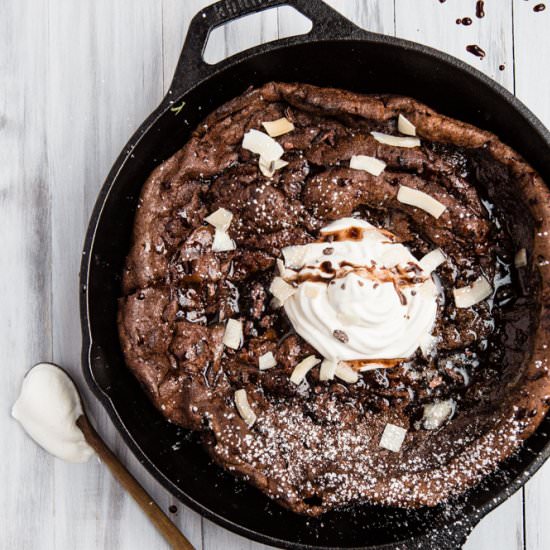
<point x="341" y="335"/>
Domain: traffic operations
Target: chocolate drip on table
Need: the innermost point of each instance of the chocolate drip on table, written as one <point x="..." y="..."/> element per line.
<point x="480" y="11"/>
<point x="476" y="50"/>
<point x="539" y="8"/>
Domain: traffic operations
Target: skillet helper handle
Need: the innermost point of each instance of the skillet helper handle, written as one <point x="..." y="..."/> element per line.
<point x="160" y="520"/>
<point x="327" y="23"/>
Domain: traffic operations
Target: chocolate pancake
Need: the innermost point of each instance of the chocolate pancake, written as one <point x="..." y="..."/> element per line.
<point x="313" y="444"/>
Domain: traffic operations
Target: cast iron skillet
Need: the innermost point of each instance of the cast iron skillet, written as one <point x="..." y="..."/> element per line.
<point x="335" y="53"/>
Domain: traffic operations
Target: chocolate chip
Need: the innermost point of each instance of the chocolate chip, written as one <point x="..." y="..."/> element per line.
<point x="326" y="267"/>
<point x="341" y="335"/>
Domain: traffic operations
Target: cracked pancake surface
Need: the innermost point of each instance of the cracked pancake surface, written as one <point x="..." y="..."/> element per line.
<point x="316" y="446"/>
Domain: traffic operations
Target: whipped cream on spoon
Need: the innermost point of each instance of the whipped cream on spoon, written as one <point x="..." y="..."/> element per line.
<point x="50" y="410"/>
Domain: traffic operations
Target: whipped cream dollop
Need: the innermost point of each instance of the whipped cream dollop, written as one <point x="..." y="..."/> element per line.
<point x="48" y="408"/>
<point x="361" y="295"/>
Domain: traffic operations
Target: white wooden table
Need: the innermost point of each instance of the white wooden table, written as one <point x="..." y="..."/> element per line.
<point x="76" y="78"/>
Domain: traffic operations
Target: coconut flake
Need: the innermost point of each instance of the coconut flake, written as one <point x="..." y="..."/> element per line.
<point x="419" y="199"/>
<point x="371" y="165"/>
<point x="372" y="366"/>
<point x="435" y="414"/>
<point x="294" y="256"/>
<point x="405" y="126"/>
<point x="346" y="373"/>
<point x="281" y="269"/>
<point x="432" y="260"/>
<point x="263" y="145"/>
<point x="267" y="361"/>
<point x="233" y="336"/>
<point x="220" y="219"/>
<point x="302" y="368"/>
<point x="470" y="295"/>
<point x="520" y="259"/>
<point x="396" y="141"/>
<point x="281" y="289"/>
<point x="393" y="437"/>
<point x="327" y="370"/>
<point x="222" y="241"/>
<point x="244" y="408"/>
<point x="269" y="168"/>
<point x="278" y="127"/>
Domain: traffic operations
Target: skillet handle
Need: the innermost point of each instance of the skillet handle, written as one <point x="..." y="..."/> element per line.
<point x="191" y="68"/>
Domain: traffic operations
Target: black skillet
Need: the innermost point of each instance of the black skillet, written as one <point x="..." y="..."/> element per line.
<point x="335" y="53"/>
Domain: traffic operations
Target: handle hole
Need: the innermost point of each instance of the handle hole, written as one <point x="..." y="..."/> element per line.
<point x="253" y="29"/>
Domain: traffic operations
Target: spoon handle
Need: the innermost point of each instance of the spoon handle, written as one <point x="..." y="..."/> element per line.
<point x="160" y="520"/>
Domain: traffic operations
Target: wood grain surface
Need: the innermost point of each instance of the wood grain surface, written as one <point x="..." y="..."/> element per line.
<point x="76" y="78"/>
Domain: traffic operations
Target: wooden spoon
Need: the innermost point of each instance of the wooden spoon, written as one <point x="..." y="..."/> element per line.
<point x="160" y="520"/>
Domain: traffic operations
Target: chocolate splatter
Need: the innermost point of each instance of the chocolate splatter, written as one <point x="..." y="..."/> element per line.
<point x="480" y="9"/>
<point x="501" y="67"/>
<point x="476" y="50"/>
<point x="539" y="7"/>
<point x="172" y="509"/>
<point x="464" y="21"/>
